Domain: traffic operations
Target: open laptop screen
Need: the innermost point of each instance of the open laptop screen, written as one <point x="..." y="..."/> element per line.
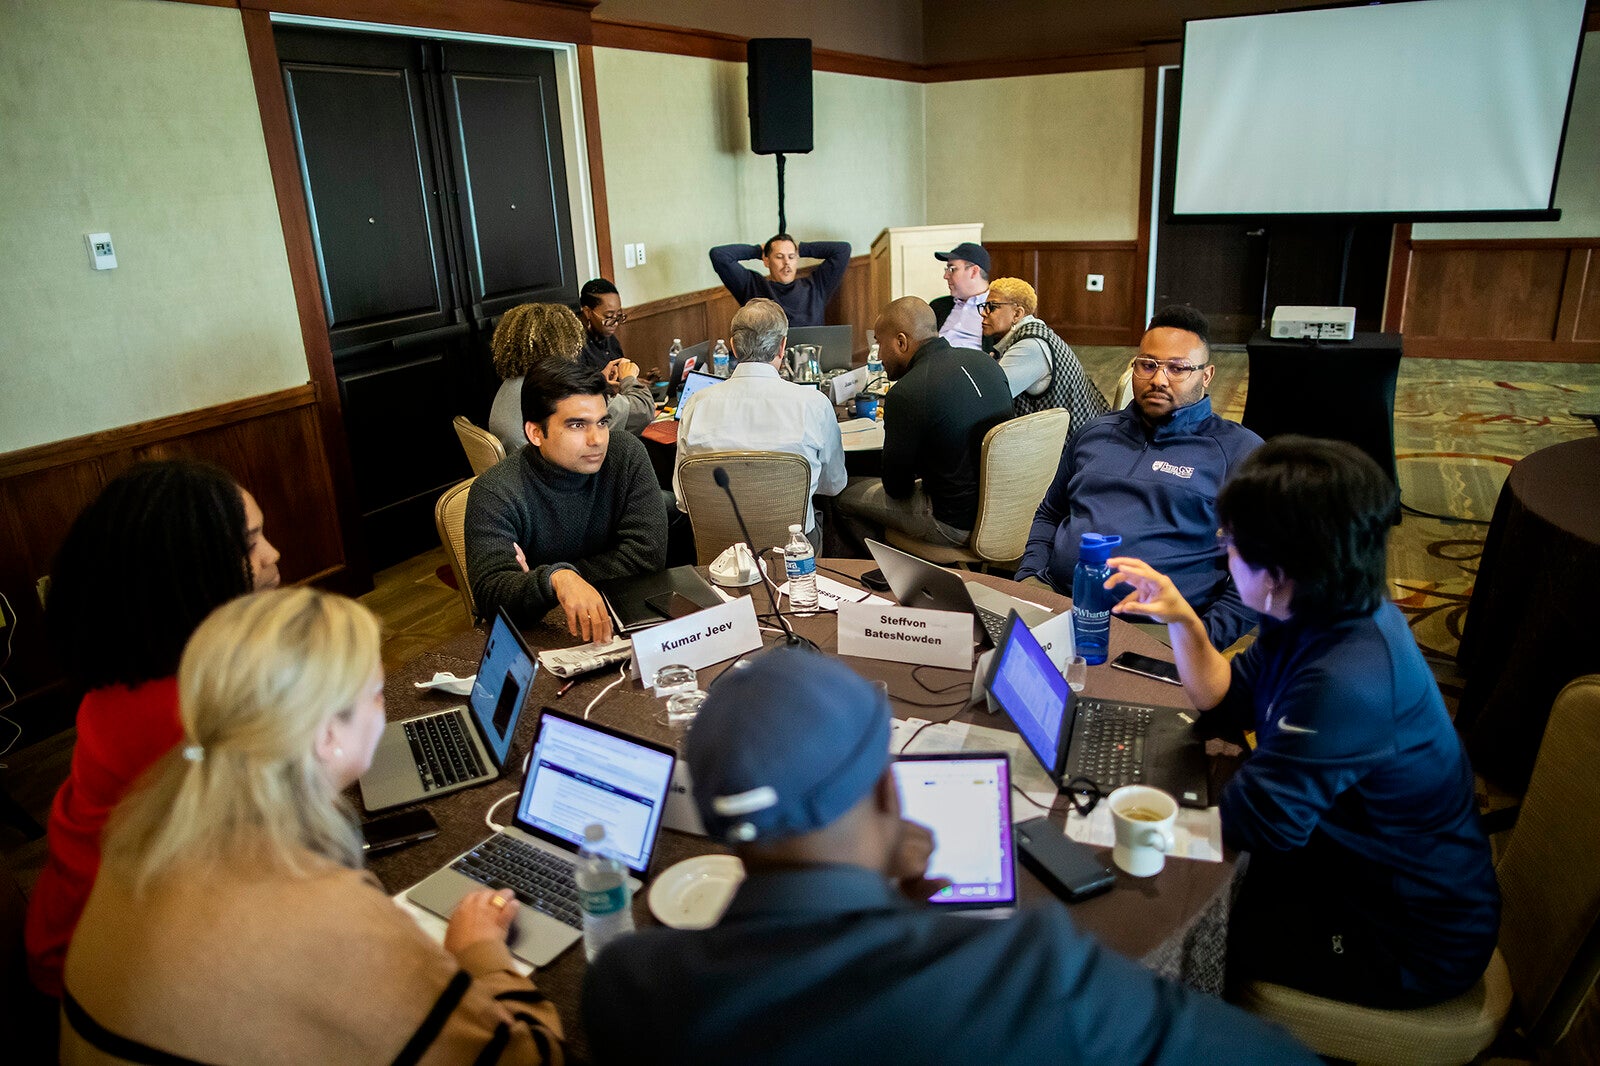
<point x="505" y="675"/>
<point x="965" y="798"/>
<point x="693" y="382"/>
<point x="1032" y="692"/>
<point x="580" y="773"/>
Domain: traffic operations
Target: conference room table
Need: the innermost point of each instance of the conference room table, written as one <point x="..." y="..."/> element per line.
<point x="1174" y="923"/>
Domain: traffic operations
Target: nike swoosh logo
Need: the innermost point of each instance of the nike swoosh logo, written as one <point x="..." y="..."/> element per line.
<point x="1284" y="725"/>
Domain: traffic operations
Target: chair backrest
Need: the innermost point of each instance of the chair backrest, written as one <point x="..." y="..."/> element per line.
<point x="1018" y="461"/>
<point x="1549" y="881"/>
<point x="482" y="447"/>
<point x="449" y="517"/>
<point x="773" y="488"/>
<point x="1124" y="389"/>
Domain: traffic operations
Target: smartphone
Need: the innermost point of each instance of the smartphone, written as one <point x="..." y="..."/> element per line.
<point x="672" y="605"/>
<point x="397" y="830"/>
<point x="875" y="581"/>
<point x="1069" y="869"/>
<point x="1145" y="666"/>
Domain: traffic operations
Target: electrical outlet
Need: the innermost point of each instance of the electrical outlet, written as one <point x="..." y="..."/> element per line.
<point x="1097" y="283"/>
<point x="630" y="255"/>
<point x="641" y="253"/>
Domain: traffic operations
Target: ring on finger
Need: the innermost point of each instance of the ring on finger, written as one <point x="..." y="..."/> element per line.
<point x="498" y="901"/>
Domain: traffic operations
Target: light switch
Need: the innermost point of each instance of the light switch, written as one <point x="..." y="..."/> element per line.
<point x="630" y="255"/>
<point x="101" y="255"/>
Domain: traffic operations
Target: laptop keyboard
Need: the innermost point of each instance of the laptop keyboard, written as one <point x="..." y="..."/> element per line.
<point x="993" y="624"/>
<point x="540" y="879"/>
<point x="444" y="754"/>
<point x="1108" y="743"/>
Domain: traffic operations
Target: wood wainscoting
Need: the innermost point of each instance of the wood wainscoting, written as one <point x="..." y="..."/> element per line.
<point x="272" y="444"/>
<point x="1532" y="300"/>
<point x="1058" y="272"/>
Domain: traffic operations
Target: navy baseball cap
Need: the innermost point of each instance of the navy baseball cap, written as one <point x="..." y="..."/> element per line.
<point x="972" y="253"/>
<point x="786" y="745"/>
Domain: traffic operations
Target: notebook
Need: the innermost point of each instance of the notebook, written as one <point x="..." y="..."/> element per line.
<point x="640" y="602"/>
<point x="445" y="751"/>
<point x="693" y="382"/>
<point x="965" y="798"/>
<point x="1109" y="742"/>
<point x="919" y="583"/>
<point x="579" y="773"/>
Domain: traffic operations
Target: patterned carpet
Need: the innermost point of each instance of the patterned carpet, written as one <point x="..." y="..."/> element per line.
<point x="1459" y="426"/>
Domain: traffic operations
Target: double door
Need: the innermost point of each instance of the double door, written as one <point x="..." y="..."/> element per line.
<point x="437" y="192"/>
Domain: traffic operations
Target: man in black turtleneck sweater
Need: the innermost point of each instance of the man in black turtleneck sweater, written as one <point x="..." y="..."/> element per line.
<point x="577" y="505"/>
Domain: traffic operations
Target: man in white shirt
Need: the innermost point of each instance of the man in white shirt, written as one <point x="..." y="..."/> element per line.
<point x="960" y="315"/>
<point x="756" y="410"/>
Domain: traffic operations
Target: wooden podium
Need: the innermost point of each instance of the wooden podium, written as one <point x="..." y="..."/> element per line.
<point x="903" y="262"/>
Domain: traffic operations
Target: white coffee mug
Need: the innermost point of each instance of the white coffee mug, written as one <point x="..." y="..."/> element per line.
<point x="1143" y="819"/>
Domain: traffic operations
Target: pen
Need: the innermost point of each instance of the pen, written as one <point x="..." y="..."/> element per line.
<point x="562" y="691"/>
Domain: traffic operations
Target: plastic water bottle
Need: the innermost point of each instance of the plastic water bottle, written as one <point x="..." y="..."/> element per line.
<point x="874" y="366"/>
<point x="673" y="352"/>
<point x="719" y="360"/>
<point x="1091" y="600"/>
<point x="800" y="564"/>
<point x="604" y="897"/>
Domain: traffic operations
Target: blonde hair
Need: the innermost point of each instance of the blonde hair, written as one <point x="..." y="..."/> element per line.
<point x="259" y="681"/>
<point x="1017" y="291"/>
<point x="530" y="332"/>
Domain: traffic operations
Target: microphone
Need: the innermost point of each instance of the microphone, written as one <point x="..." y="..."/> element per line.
<point x="791" y="638"/>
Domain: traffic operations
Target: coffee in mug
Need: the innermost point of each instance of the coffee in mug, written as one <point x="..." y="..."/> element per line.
<point x="1141" y="814"/>
<point x="1142" y="818"/>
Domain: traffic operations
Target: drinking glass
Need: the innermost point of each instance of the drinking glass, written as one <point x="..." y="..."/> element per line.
<point x="675" y="677"/>
<point x="1077" y="673"/>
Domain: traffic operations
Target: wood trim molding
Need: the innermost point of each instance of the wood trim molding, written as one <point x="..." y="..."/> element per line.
<point x="637" y="36"/>
<point x="1394" y="300"/>
<point x="985" y="69"/>
<point x="139" y="434"/>
<point x="1507" y="244"/>
<point x="1062" y="246"/>
<point x="549" y="20"/>
<point x="1147" y="171"/>
<point x="597" y="162"/>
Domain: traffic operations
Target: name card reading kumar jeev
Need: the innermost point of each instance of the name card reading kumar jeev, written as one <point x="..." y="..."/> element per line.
<point x="698" y="640"/>
<point x="906" y="635"/>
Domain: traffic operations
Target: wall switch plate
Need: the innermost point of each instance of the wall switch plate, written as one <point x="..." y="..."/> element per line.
<point x="1097" y="283"/>
<point x="101" y="255"/>
<point x="630" y="255"/>
<point x="640" y="247"/>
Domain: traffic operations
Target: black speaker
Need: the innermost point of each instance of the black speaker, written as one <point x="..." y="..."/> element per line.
<point x="780" y="94"/>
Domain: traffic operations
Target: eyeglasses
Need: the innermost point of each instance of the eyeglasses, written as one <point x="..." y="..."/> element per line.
<point x="994" y="305"/>
<point x="954" y="265"/>
<point x="615" y="320"/>
<point x="1176" y="372"/>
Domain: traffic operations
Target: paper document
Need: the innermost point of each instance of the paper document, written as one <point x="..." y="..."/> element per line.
<point x="1198" y="834"/>
<point x="1026" y="773"/>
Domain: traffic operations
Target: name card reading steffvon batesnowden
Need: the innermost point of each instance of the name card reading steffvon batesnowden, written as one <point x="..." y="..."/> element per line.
<point x="698" y="639"/>
<point x="906" y="635"/>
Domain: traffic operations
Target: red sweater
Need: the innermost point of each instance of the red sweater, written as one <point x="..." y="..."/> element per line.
<point x="121" y="732"/>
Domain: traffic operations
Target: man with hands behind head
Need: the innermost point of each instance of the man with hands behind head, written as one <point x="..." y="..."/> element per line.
<point x="804" y="300"/>
<point x="827" y="952"/>
<point x="578" y="504"/>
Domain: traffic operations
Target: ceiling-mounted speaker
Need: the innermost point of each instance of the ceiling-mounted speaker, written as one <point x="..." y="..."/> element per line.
<point x="780" y="94"/>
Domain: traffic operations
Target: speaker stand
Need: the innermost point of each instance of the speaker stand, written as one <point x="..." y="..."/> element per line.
<point x="783" y="221"/>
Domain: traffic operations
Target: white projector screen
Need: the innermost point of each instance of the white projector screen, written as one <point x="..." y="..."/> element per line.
<point x="1417" y="108"/>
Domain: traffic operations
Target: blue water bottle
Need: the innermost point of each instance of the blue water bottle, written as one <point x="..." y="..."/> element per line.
<point x="1091" y="600"/>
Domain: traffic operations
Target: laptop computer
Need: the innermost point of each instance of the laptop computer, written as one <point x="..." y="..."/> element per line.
<point x="837" y="344"/>
<point x="965" y="798"/>
<point x="918" y="583"/>
<point x="1109" y="742"/>
<point x="693" y="382"/>
<point x="699" y="354"/>
<point x="445" y="751"/>
<point x="579" y="773"/>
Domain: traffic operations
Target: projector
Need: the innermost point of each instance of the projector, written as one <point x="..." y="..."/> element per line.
<point x="1314" y="323"/>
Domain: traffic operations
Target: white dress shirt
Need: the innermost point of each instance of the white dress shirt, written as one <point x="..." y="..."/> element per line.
<point x="756" y="410"/>
<point x="963" y="327"/>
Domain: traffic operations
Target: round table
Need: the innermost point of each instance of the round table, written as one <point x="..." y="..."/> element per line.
<point x="1530" y="624"/>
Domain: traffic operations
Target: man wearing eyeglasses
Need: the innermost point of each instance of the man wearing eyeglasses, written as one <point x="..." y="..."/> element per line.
<point x="960" y="315"/>
<point x="1151" y="473"/>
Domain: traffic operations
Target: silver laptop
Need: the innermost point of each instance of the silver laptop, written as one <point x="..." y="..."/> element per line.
<point x="965" y="798"/>
<point x="579" y="773"/>
<point x="918" y="583"/>
<point x="446" y="751"/>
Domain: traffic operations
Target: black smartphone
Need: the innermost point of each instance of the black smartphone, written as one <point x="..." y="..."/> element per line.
<point x="397" y="830"/>
<point x="875" y="581"/>
<point x="1069" y="869"/>
<point x="1145" y="666"/>
<point x="672" y="605"/>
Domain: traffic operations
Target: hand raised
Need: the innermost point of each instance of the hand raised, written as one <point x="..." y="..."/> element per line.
<point x="1153" y="593"/>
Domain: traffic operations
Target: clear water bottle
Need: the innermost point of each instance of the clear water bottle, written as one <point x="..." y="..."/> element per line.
<point x="673" y="353"/>
<point x="874" y="367"/>
<point x="1091" y="600"/>
<point x="800" y="564"/>
<point x="604" y="897"/>
<point x="719" y="360"/>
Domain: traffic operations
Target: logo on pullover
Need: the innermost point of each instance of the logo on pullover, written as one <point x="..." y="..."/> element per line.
<point x="1167" y="468"/>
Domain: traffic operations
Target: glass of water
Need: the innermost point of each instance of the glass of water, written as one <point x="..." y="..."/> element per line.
<point x="1077" y="672"/>
<point x="675" y="677"/>
<point x="683" y="708"/>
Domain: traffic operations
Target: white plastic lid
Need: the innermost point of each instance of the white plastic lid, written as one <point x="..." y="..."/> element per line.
<point x="796" y="528"/>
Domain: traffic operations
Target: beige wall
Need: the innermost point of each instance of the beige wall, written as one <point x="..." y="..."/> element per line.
<point x="1053" y="157"/>
<point x="888" y="28"/>
<point x="138" y="118"/>
<point x="680" y="177"/>
<point x="1577" y="188"/>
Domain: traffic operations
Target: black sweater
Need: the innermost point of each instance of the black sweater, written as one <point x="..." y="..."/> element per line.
<point x="804" y="300"/>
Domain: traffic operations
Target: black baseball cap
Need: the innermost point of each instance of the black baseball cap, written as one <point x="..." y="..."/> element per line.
<point x="972" y="253"/>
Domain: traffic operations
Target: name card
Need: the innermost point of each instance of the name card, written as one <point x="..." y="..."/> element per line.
<point x="1054" y="634"/>
<point x="698" y="639"/>
<point x="906" y="635"/>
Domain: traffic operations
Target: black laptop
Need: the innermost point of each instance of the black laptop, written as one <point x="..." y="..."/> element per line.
<point x="1109" y="742"/>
